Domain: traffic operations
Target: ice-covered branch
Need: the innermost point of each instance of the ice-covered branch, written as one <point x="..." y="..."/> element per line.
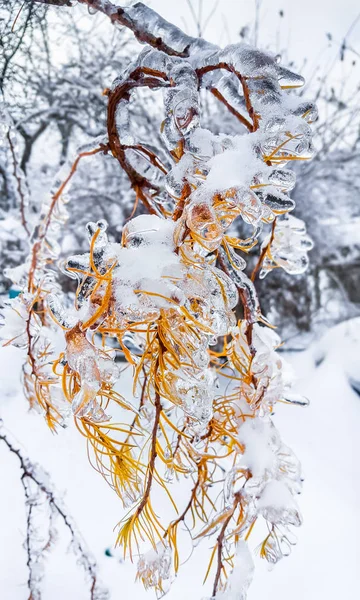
<point x="147" y="25"/>
<point x="43" y="504"/>
<point x="165" y="295"/>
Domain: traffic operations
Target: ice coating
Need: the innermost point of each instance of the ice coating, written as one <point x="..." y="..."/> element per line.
<point x="288" y="247"/>
<point x="155" y="567"/>
<point x="94" y="369"/>
<point x="149" y="282"/>
<point x="278" y="505"/>
<point x="165" y="298"/>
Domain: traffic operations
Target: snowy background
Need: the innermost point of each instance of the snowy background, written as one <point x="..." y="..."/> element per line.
<point x="324" y="564"/>
<point x="324" y="435"/>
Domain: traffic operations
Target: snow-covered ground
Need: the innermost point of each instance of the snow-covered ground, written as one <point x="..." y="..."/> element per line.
<point x="325" y="436"/>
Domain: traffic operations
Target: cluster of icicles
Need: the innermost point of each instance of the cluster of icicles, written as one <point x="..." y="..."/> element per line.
<point x="164" y="297"/>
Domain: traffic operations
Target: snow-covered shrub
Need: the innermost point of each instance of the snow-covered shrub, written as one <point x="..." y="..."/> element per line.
<point x="165" y="295"/>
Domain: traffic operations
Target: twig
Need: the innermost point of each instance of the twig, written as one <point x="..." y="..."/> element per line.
<point x="36" y="249"/>
<point x="33" y="472"/>
<point x="220" y="544"/>
<point x="153" y="455"/>
<point x="263" y="252"/>
<point x="17" y="176"/>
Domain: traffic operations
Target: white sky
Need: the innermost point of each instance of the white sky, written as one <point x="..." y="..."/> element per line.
<point x="302" y="30"/>
<point x="304" y="24"/>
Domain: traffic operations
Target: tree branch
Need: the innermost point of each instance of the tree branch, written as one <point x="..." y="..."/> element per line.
<point x="19" y="181"/>
<point x="147" y="26"/>
<point x="32" y="472"/>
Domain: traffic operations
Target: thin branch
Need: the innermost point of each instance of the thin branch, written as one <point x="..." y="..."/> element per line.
<point x="33" y="472"/>
<point x="42" y="235"/>
<point x="231" y="109"/>
<point x="153" y="455"/>
<point x="17" y="177"/>
<point x="220" y="545"/>
<point x="263" y="252"/>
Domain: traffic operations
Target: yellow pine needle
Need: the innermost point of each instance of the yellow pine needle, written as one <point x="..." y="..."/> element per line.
<point x="214" y="523"/>
<point x="210" y="563"/>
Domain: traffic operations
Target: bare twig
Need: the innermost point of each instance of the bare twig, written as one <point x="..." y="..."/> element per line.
<point x="33" y="473"/>
<point x="17" y="176"/>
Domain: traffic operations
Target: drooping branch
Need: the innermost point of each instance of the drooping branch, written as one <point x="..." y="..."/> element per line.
<point x="185" y="303"/>
<point x="153" y="455"/>
<point x="220" y="544"/>
<point x="149" y="27"/>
